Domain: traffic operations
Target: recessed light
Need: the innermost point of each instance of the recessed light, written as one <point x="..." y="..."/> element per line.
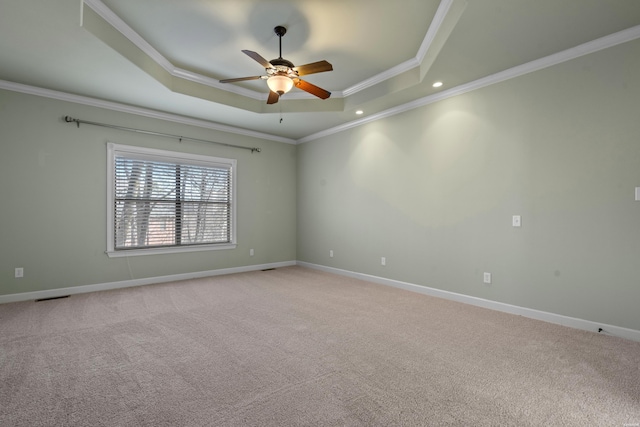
<point x="437" y="84"/>
<point x="359" y="112"/>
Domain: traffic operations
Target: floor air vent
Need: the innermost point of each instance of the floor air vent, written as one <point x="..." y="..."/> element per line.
<point x="49" y="299"/>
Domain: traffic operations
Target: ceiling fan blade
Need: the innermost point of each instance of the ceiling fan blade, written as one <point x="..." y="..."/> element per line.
<point x="314" y="67"/>
<point x="241" y="79"/>
<point x="273" y="97"/>
<point x="256" y="57"/>
<point x="312" y="89"/>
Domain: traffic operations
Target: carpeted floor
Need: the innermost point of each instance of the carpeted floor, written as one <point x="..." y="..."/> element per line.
<point x="299" y="347"/>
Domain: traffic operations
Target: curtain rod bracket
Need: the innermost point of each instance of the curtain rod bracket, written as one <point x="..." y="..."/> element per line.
<point x="70" y="119"/>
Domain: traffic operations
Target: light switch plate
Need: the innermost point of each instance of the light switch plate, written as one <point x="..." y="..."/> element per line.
<point x="638" y="194"/>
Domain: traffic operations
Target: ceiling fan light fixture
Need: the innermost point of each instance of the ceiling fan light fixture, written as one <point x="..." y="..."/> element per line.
<point x="280" y="84"/>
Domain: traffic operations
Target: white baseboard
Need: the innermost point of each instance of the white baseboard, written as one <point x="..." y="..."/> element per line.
<point x="587" y="325"/>
<point x="558" y="319"/>
<point x="53" y="293"/>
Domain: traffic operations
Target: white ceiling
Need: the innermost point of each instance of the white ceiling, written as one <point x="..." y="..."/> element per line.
<point x="167" y="56"/>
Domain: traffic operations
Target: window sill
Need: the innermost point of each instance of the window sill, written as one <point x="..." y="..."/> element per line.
<point x="171" y="250"/>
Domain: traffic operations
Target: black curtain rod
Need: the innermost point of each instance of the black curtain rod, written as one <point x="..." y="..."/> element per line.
<point x="70" y="119"/>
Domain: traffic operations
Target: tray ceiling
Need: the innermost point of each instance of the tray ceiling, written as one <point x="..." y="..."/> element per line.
<point x="167" y="57"/>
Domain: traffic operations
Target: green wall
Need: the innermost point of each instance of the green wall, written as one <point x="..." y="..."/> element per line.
<point x="434" y="189"/>
<point x="53" y="196"/>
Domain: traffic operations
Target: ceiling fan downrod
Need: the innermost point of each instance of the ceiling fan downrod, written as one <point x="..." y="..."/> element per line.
<point x="280" y="31"/>
<point x="280" y="61"/>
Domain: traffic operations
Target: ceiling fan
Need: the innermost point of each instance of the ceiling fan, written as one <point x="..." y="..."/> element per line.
<point x="282" y="75"/>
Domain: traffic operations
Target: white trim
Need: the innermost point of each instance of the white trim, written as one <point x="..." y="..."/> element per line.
<point x="434" y="27"/>
<point x="53" y="293"/>
<point x="571" y="322"/>
<point x="557" y="58"/>
<point x="210" y="81"/>
<point x="379" y="78"/>
<point x="116" y="22"/>
<point x="260" y="96"/>
<point x="558" y="319"/>
<point x="131" y="151"/>
<point x="517" y="71"/>
<point x="443" y="8"/>
<point x="167" y="250"/>
<point x="139" y="111"/>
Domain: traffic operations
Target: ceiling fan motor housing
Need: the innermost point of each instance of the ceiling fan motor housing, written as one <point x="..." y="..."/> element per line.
<point x="281" y="67"/>
<point x="281" y="62"/>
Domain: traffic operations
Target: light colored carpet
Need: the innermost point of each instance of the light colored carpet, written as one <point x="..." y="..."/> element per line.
<point x="299" y="347"/>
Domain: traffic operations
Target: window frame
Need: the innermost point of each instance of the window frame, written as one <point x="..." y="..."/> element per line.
<point x="153" y="154"/>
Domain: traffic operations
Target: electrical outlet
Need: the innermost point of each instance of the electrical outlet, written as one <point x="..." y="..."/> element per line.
<point x="331" y="253"/>
<point x="383" y="261"/>
<point x="487" y="277"/>
<point x="250" y="252"/>
<point x="19" y="272"/>
<point x="516" y="221"/>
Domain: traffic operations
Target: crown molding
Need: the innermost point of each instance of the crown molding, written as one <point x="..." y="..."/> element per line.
<point x="209" y="81"/>
<point x="116" y="22"/>
<point x="548" y="61"/>
<point x="434" y="27"/>
<point x="520" y="70"/>
<point x="379" y="78"/>
<point x="539" y="64"/>
<point x="139" y="111"/>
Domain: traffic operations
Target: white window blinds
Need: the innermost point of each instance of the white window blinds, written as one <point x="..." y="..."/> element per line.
<point x="164" y="199"/>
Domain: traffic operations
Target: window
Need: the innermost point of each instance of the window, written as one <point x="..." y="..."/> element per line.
<point x="163" y="201"/>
